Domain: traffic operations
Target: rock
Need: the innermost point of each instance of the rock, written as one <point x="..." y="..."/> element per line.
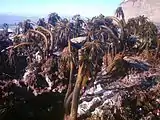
<point x="138" y="64"/>
<point x="85" y="106"/>
<point x="78" y="39"/>
<point x="100" y="97"/>
<point x="148" y="8"/>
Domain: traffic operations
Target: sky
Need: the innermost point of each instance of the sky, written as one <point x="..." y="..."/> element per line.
<point x="88" y="8"/>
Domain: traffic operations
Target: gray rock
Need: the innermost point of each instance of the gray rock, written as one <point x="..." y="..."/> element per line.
<point x="148" y="8"/>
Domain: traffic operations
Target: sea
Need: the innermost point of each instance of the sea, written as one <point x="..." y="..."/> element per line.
<point x="10" y="29"/>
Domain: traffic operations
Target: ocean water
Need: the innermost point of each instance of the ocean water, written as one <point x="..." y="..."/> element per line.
<point x="11" y="28"/>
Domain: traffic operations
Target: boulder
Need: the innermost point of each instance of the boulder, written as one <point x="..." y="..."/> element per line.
<point x="148" y="8"/>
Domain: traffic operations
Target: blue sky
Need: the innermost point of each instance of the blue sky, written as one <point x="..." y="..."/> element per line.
<point x="63" y="7"/>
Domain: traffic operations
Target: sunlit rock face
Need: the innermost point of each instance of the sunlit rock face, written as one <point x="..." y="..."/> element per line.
<point x="148" y="8"/>
<point x="108" y="91"/>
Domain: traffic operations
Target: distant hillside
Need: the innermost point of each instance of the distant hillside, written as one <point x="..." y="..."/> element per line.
<point x="12" y="19"/>
<point x="148" y="8"/>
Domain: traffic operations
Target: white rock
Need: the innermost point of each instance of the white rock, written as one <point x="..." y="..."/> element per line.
<point x="78" y="39"/>
<point x="28" y="71"/>
<point x="99" y="89"/>
<point x="84" y="106"/>
<point x="49" y="82"/>
<point x="38" y="57"/>
<point x="105" y="94"/>
<point x="89" y="91"/>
